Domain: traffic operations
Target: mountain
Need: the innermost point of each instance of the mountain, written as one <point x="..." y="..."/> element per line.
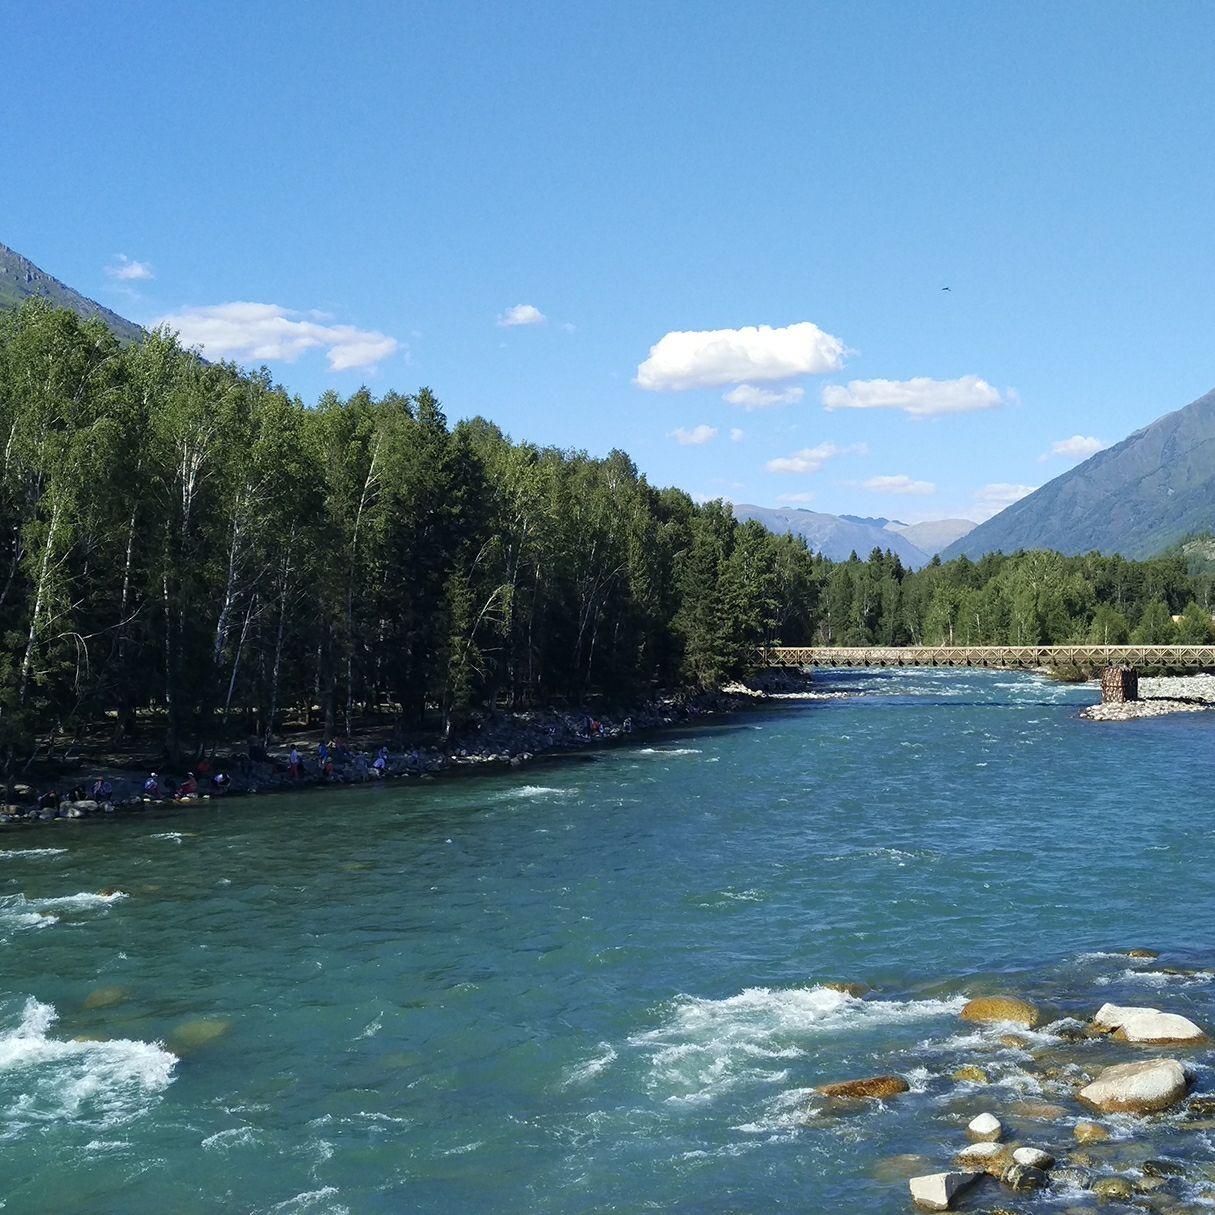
<point x="20" y="278"/>
<point x="836" y="536"/>
<point x="1150" y="491"/>
<point x="934" y="535"/>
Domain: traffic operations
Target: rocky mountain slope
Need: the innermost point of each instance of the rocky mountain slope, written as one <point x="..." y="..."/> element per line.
<point x="20" y="279"/>
<point x="1136" y="498"/>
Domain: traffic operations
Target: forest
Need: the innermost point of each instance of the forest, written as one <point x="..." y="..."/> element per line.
<point x="187" y="548"/>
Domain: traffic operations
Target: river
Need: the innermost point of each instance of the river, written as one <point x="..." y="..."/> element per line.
<point x="593" y="984"/>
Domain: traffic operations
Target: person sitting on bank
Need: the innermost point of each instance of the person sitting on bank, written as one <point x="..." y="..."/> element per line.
<point x="151" y="786"/>
<point x="49" y="800"/>
<point x="220" y="782"/>
<point x="101" y="790"/>
<point x="188" y="787"/>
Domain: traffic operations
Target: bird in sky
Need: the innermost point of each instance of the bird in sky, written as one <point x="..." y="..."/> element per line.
<point x="944" y="288"/>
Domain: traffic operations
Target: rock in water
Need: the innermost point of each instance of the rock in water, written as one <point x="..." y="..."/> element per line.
<point x="1034" y="1158"/>
<point x="1090" y="1132"/>
<point x="1136" y="1088"/>
<point x="986" y="1128"/>
<point x="105" y="997"/>
<point x="193" y="1034"/>
<point x="988" y="1157"/>
<point x="970" y="1074"/>
<point x="1001" y="1008"/>
<point x="872" y="1086"/>
<point x="936" y="1191"/>
<point x="1113" y="1188"/>
<point x="1147" y="1026"/>
<point x="1023" y="1178"/>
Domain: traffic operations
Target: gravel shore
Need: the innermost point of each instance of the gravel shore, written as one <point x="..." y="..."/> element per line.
<point x="1158" y="696"/>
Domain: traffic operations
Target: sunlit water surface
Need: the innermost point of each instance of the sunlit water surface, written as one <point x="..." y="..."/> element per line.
<point x="589" y="986"/>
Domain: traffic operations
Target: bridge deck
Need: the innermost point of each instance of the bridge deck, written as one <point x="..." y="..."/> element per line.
<point x="1022" y="657"/>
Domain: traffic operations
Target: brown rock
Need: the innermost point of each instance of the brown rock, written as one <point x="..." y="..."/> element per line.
<point x="858" y="990"/>
<point x="1090" y="1132"/>
<point x="1136" y="1088"/>
<point x="871" y="1087"/>
<point x="105" y="997"/>
<point x="1040" y="1111"/>
<point x="970" y="1074"/>
<point x="1142" y="953"/>
<point x="1001" y="1008"/>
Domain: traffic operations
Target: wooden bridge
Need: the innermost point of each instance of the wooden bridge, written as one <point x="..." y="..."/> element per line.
<point x="1009" y="657"/>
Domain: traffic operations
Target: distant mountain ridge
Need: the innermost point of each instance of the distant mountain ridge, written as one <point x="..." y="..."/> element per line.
<point x="20" y="279"/>
<point x="1152" y="490"/>
<point x="837" y="536"/>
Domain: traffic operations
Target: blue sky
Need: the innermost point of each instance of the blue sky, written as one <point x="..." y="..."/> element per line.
<point x="389" y="181"/>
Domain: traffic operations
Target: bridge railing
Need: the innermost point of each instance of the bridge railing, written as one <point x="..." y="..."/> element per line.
<point x="1021" y="657"/>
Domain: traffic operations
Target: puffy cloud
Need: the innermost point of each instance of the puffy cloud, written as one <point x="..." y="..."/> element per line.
<point x="994" y="497"/>
<point x="1078" y="447"/>
<point x="811" y="459"/>
<point x="900" y="483"/>
<point x="750" y="397"/>
<point x="736" y="435"/>
<point x="522" y="314"/>
<point x="920" y="397"/>
<point x="127" y="270"/>
<point x="255" y="333"/>
<point x="712" y="357"/>
<point x="694" y="437"/>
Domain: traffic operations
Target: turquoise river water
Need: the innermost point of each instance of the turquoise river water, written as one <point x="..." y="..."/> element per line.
<point x="593" y="985"/>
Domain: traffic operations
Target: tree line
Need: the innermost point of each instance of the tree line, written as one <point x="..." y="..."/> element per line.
<point x="188" y="548"/>
<point x="1026" y="598"/>
<point x="185" y="543"/>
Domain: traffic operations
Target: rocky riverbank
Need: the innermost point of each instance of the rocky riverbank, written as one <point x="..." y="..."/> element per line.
<point x="1158" y="696"/>
<point x="1080" y="1111"/>
<point x="490" y="740"/>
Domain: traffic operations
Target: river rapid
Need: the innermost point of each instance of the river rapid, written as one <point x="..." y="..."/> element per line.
<point x="597" y="984"/>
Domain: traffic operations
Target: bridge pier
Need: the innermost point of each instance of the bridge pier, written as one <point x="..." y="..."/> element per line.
<point x="1119" y="684"/>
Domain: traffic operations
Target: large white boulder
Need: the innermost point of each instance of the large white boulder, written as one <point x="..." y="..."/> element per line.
<point x="936" y="1191"/>
<point x="1147" y="1026"/>
<point x="1136" y="1088"/>
<point x="986" y="1128"/>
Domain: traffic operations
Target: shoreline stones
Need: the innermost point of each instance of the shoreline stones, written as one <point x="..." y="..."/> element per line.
<point x="1032" y="1157"/>
<point x="936" y="1191"/>
<point x="871" y="1088"/>
<point x="1147" y="1026"/>
<point x="986" y="1157"/>
<point x="994" y="1009"/>
<point x="1136" y="1088"/>
<point x="1090" y="1132"/>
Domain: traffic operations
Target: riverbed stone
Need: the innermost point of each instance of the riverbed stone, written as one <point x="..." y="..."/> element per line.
<point x="993" y="1009"/>
<point x="971" y="1074"/>
<point x="985" y="1157"/>
<point x="985" y="1128"/>
<point x="1141" y="953"/>
<point x="1136" y="1088"/>
<point x="105" y="997"/>
<point x="1090" y="1132"/>
<point x="874" y="1087"/>
<point x="1023" y="1178"/>
<point x="200" y="1032"/>
<point x="900" y="1168"/>
<point x="1113" y="1188"/>
<point x="1147" y="1026"/>
<point x="1033" y="1157"/>
<point x="936" y="1191"/>
<point x="1039" y="1111"/>
<point x="857" y="990"/>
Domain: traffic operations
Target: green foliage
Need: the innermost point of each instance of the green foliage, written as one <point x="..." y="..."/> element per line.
<point x="186" y="537"/>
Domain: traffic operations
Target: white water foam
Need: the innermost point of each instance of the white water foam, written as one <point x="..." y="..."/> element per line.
<point x="98" y="1083"/>
<point x="17" y="911"/>
<point x="13" y="854"/>
<point x="592" y="1067"/>
<point x="175" y="836"/>
<point x="529" y="791"/>
<point x="669" y="751"/>
<point x="708" y="1047"/>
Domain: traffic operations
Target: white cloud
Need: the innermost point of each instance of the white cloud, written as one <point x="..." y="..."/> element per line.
<point x="795" y="499"/>
<point x="251" y="332"/>
<point x="736" y="435"/>
<point x="900" y="483"/>
<point x="811" y="459"/>
<point x="994" y="497"/>
<point x="712" y="357"/>
<point x="920" y="397"/>
<point x="522" y="314"/>
<point x="127" y="270"/>
<point x="1078" y="447"/>
<point x="694" y="437"/>
<point x="750" y="397"/>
